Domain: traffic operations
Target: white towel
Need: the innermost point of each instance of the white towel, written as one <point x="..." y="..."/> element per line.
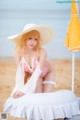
<point x="30" y="86"/>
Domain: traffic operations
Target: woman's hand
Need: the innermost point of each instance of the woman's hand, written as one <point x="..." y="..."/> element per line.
<point x="17" y="94"/>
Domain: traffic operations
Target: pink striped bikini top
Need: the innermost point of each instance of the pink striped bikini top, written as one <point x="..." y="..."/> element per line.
<point x="27" y="67"/>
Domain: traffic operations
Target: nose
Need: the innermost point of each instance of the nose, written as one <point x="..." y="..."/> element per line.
<point x="33" y="40"/>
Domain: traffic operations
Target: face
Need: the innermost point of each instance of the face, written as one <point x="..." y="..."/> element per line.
<point x="31" y="42"/>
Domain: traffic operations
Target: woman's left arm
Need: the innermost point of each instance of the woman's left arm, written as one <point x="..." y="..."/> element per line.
<point x="42" y="57"/>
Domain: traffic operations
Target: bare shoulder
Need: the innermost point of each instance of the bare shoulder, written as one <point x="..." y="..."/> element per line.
<point x="43" y="51"/>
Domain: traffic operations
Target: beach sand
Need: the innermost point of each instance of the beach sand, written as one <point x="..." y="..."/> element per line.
<point x="63" y="78"/>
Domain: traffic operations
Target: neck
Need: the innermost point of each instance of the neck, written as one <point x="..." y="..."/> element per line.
<point x="28" y="50"/>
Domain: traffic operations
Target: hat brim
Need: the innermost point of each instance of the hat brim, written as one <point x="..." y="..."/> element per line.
<point x="46" y="34"/>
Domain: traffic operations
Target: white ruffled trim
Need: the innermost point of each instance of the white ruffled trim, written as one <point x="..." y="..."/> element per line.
<point x="49" y="82"/>
<point x="42" y="111"/>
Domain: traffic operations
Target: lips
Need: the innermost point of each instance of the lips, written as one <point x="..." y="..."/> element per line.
<point x="31" y="45"/>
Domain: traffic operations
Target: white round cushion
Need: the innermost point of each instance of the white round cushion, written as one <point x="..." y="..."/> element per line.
<point x="45" y="106"/>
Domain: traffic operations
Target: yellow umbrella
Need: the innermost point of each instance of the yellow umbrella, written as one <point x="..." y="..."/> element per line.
<point x="73" y="36"/>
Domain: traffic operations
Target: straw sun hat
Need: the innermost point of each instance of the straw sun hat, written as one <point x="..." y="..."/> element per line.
<point x="46" y="33"/>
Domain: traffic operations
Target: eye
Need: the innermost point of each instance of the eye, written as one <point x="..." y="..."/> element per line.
<point x="36" y="39"/>
<point x="30" y="38"/>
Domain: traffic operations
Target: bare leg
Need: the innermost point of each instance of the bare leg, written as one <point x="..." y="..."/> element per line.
<point x="49" y="77"/>
<point x="39" y="85"/>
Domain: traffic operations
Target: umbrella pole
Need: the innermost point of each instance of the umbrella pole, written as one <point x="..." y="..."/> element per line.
<point x="72" y="72"/>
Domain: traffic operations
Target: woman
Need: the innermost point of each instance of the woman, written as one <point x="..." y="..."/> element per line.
<point x="35" y="75"/>
<point x="32" y="55"/>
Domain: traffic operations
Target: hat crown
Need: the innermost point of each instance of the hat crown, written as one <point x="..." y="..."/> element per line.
<point x="28" y="26"/>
